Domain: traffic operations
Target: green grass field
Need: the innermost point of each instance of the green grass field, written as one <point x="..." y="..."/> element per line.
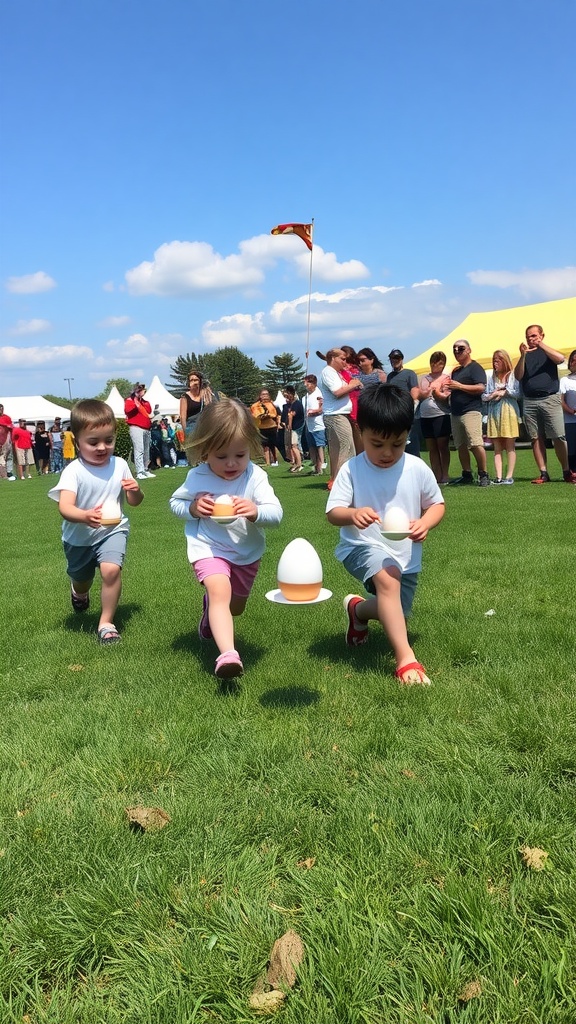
<point x="414" y="803"/>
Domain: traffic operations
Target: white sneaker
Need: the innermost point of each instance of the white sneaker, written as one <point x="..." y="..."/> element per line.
<point x="150" y="475"/>
<point x="273" y="463"/>
<point x="141" y="476"/>
<point x="324" y="465"/>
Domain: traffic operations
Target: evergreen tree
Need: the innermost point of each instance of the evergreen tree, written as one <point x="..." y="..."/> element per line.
<point x="282" y="370"/>
<point x="183" y="366"/>
<point x="65" y="403"/>
<point x="228" y="370"/>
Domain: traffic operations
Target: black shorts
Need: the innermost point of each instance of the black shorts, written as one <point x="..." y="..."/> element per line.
<point x="435" y="426"/>
<point x="268" y="437"/>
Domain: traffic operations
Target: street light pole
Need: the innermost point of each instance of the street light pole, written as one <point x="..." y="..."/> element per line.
<point x="69" y="379"/>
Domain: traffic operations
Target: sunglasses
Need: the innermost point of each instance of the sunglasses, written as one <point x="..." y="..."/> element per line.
<point x="457" y="351"/>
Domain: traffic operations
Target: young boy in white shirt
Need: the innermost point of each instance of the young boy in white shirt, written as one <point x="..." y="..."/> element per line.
<point x="89" y="491"/>
<point x="382" y="477"/>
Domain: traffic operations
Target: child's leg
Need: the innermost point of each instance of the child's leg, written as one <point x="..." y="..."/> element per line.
<point x="219" y="593"/>
<point x="389" y="607"/>
<point x="111" y="589"/>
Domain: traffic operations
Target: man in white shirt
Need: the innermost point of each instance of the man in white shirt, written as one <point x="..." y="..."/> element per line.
<point x="312" y="402"/>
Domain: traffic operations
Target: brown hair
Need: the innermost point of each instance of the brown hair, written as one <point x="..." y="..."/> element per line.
<point x="438" y="357"/>
<point x="91" y="412"/>
<point x="536" y="326"/>
<point x="311" y="378"/>
<point x="219" y="424"/>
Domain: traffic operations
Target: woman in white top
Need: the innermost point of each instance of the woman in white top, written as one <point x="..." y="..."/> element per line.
<point x="568" y="399"/>
<point x="336" y="409"/>
<point x="435" y="417"/>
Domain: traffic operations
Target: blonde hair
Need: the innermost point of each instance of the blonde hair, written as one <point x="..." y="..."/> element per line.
<point x="91" y="412"/>
<point x="503" y="355"/>
<point x="219" y="424"/>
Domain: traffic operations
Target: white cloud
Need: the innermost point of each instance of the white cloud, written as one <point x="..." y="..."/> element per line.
<point x="114" y="321"/>
<point x="427" y="284"/>
<point x="372" y="316"/>
<point x="31" y="284"/>
<point x="195" y="269"/>
<point x="31" y="327"/>
<point x="555" y="283"/>
<point x="45" y="356"/>
<point x="134" y="344"/>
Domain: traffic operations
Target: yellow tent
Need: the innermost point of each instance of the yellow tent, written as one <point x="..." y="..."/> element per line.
<point x="504" y="328"/>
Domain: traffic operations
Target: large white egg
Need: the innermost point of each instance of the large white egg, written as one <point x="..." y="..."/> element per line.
<point x="395" y="520"/>
<point x="111" y="512"/>
<point x="223" y="505"/>
<point x="299" y="571"/>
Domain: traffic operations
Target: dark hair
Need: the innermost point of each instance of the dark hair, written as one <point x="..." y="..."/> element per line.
<point x="311" y="378"/>
<point x="571" y="356"/>
<point x="368" y="352"/>
<point x="385" y="409"/>
<point x="438" y="357"/>
<point x="290" y="389"/>
<point x="91" y="412"/>
<point x="350" y="354"/>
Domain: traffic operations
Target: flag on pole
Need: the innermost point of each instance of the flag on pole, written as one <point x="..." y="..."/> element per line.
<point x="304" y="231"/>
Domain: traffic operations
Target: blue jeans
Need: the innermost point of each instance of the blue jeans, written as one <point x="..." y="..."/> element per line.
<point x="141" y="447"/>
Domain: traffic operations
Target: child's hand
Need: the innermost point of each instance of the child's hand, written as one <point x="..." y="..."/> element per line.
<point x="363" y="517"/>
<point x="245" y="507"/>
<point x="418" y="530"/>
<point x="129" y="484"/>
<point x="92" y="516"/>
<point x="203" y="506"/>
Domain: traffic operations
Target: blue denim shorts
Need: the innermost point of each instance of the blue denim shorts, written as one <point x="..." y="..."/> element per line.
<point x="82" y="562"/>
<point x="364" y="562"/>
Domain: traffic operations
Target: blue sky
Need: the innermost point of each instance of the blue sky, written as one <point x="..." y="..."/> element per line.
<point x="149" y="147"/>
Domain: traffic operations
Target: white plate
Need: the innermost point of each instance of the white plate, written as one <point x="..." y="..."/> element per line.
<point x="224" y="519"/>
<point x="277" y="597"/>
<point x="394" y="536"/>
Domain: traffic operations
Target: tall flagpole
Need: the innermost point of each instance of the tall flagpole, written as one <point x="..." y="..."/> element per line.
<point x="309" y="294"/>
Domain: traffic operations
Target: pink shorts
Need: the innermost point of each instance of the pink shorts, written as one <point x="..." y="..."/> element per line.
<point x="241" y="576"/>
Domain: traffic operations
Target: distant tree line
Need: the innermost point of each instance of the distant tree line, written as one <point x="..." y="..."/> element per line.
<point x="228" y="370"/>
<point x="235" y="374"/>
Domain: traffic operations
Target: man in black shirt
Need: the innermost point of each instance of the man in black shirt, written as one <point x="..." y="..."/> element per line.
<point x="537" y="371"/>
<point x="408" y="381"/>
<point x="466" y="386"/>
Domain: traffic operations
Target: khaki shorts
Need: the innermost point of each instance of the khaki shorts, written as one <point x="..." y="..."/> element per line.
<point x="24" y="456"/>
<point x="467" y="429"/>
<point x="543" y="417"/>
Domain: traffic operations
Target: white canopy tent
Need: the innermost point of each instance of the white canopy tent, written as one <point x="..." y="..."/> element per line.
<point x="157" y="395"/>
<point x="35" y="408"/>
<point x="116" y="403"/>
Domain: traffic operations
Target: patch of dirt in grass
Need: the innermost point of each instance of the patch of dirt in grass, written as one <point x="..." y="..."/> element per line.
<point x="534" y="858"/>
<point x="471" y="990"/>
<point x="147" y="819"/>
<point x="271" y="990"/>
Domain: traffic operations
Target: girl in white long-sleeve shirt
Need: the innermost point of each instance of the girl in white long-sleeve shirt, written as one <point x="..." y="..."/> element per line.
<point x="225" y="556"/>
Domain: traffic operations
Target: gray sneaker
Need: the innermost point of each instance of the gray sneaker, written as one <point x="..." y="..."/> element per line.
<point x="484" y="480"/>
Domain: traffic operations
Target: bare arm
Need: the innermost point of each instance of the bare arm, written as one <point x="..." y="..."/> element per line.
<point x="347" y="516"/>
<point x="428" y="520"/>
<point x="86" y="516"/>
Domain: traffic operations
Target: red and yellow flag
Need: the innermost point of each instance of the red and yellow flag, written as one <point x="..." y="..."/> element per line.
<point x="304" y="231"/>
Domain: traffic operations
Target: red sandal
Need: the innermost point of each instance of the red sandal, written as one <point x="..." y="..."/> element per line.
<point x="413" y="674"/>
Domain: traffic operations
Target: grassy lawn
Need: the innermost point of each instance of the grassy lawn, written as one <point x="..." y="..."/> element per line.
<point x="410" y="805"/>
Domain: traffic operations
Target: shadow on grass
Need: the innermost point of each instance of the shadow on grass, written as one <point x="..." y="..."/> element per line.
<point x="289" y="697"/>
<point x="87" y="622"/>
<point x="205" y="653"/>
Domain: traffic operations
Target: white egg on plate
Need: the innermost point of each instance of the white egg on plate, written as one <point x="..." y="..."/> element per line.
<point x="223" y="505"/>
<point x="299" y="571"/>
<point x="395" y="521"/>
<point x="111" y="512"/>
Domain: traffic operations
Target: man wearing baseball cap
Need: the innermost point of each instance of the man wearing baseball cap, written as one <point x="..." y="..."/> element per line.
<point x="408" y="381"/>
<point x="137" y="411"/>
<point x="22" y="440"/>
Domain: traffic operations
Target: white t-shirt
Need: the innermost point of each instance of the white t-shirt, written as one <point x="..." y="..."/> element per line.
<point x="92" y="485"/>
<point x="410" y="485"/>
<point x="240" y="542"/>
<point x="568" y="390"/>
<point x="311" y="401"/>
<point x="331" y="381"/>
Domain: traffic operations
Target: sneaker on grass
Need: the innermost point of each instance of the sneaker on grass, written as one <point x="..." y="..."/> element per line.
<point x="356" y="631"/>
